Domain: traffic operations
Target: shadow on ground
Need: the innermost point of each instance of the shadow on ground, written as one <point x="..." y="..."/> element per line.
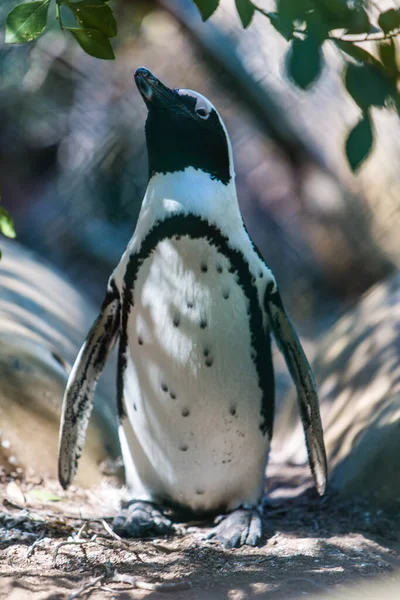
<point x="311" y="545"/>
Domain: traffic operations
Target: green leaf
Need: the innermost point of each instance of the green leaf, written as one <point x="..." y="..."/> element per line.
<point x="338" y="13"/>
<point x="282" y="26"/>
<point x="389" y="20"/>
<point x="26" y="22"/>
<point x="304" y="61"/>
<point x="368" y="86"/>
<point x="294" y="10"/>
<point x="359" y="142"/>
<point x="94" y="15"/>
<point x="83" y="2"/>
<point x="93" y="42"/>
<point x="387" y="54"/>
<point x="246" y="11"/>
<point x="359" y="22"/>
<point x="206" y="7"/>
<point x="44" y="495"/>
<point x="6" y="223"/>
<point x="359" y="54"/>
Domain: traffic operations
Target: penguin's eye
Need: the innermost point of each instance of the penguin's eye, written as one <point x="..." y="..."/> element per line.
<point x="202" y="113"/>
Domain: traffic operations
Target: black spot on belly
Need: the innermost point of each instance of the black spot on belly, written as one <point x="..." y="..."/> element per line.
<point x="261" y="274"/>
<point x="232" y="410"/>
<point x="199" y="491"/>
<point x="134" y="407"/>
<point x="203" y="324"/>
<point x="173" y="395"/>
<point x="225" y="294"/>
<point x="206" y="352"/>
<point x="209" y="362"/>
<point x="185" y="412"/>
<point x="253" y="279"/>
<point x="190" y="304"/>
<point x="177" y="237"/>
<point x="219" y="269"/>
<point x="183" y="447"/>
<point x="140" y="341"/>
<point x="204" y="267"/>
<point x="164" y="387"/>
<point x="195" y="228"/>
<point x="176" y="321"/>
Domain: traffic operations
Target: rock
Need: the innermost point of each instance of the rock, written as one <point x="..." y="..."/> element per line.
<point x="43" y="321"/>
<point x="357" y="370"/>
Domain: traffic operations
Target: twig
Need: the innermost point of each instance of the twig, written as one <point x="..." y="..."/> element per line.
<point x="59" y="516"/>
<point x="164" y="549"/>
<point x="75" y="541"/>
<point x="7" y="502"/>
<point x="346" y="37"/>
<point x="79" y="534"/>
<point x="111" y="532"/>
<point x="115" y="536"/>
<point x="89" y="584"/>
<point x="170" y="586"/>
<point x="32" y="547"/>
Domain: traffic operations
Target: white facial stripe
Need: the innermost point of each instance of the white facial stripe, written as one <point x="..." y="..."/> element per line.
<point x="201" y="101"/>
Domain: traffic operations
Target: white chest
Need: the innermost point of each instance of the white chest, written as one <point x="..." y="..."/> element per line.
<point x="191" y="390"/>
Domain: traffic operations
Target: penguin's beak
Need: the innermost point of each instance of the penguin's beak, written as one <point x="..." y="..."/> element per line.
<point x="152" y="90"/>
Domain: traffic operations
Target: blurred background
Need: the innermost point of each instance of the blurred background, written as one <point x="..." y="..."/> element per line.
<point x="73" y="164"/>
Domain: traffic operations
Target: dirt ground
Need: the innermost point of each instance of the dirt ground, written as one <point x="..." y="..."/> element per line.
<point x="311" y="546"/>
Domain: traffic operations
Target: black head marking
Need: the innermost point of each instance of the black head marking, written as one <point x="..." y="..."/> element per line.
<point x="181" y="132"/>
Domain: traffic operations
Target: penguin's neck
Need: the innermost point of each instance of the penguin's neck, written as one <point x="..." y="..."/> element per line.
<point x="191" y="191"/>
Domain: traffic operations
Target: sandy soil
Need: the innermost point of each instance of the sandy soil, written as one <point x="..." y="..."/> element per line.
<point x="310" y="546"/>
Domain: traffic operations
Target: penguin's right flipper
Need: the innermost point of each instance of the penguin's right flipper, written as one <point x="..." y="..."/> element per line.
<point x="302" y="376"/>
<point x="78" y="398"/>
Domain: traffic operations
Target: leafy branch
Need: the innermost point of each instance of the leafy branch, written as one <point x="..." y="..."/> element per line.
<point x="6" y="224"/>
<point x="370" y="78"/>
<point x="94" y="20"/>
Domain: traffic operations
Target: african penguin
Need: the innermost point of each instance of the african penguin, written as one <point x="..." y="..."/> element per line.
<point x="191" y="305"/>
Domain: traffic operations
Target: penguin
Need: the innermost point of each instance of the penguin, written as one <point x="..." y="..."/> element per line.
<point x="191" y="306"/>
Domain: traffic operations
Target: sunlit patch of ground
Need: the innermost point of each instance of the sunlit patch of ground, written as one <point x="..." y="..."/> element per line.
<point x="310" y="546"/>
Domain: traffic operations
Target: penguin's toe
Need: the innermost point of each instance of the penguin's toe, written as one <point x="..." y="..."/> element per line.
<point x="241" y="527"/>
<point x="142" y="520"/>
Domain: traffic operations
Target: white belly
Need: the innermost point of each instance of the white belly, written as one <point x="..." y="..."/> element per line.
<point x="192" y="400"/>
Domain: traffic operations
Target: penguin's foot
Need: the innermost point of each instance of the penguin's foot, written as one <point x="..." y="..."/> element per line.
<point x="142" y="520"/>
<point x="241" y="527"/>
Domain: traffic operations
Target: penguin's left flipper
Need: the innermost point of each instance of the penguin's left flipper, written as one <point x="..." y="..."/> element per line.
<point x="142" y="520"/>
<point x="78" y="398"/>
<point x="241" y="527"/>
<point x="303" y="379"/>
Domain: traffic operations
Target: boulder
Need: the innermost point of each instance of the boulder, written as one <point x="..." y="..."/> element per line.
<point x="43" y="322"/>
<point x="357" y="369"/>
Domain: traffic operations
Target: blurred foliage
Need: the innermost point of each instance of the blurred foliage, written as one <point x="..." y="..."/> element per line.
<point x="369" y="77"/>
<point x="94" y="20"/>
<point x="6" y="224"/>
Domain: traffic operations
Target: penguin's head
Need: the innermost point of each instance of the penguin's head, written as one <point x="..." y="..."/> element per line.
<point x="183" y="129"/>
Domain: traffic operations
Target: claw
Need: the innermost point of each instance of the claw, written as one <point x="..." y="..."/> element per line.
<point x="239" y="528"/>
<point x="142" y="519"/>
